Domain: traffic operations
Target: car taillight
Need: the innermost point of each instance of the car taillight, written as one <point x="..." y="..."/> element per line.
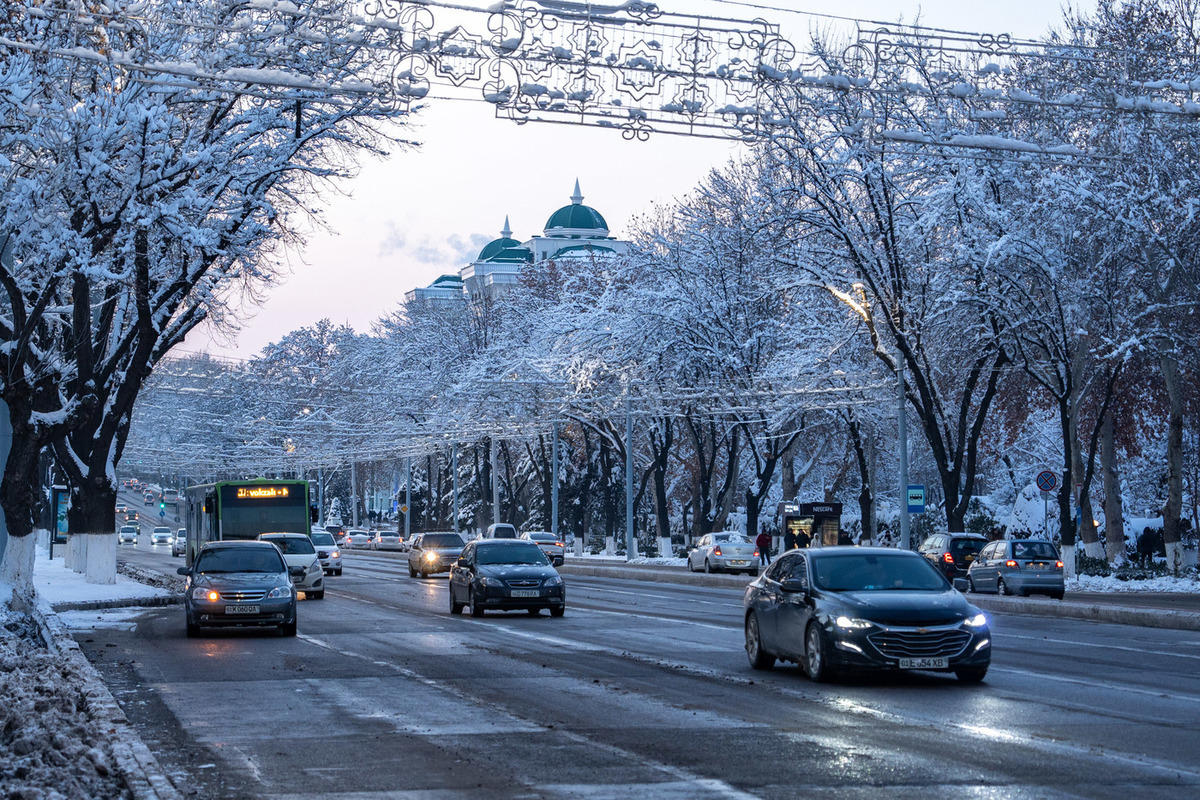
<point x="1012" y="564"/>
<point x="559" y="544"/>
<point x="717" y="550"/>
<point x="1058" y="565"/>
<point x="756" y="553"/>
<point x="949" y="559"/>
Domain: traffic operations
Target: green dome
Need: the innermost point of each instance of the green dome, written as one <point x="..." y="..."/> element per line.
<point x="577" y="216"/>
<point x="504" y="249"/>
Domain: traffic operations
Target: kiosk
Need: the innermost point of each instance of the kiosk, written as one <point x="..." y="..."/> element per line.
<point x="818" y="523"/>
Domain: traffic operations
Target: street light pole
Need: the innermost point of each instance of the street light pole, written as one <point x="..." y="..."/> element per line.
<point x="554" y="481"/>
<point x="454" y="472"/>
<point x="495" y="485"/>
<point x="905" y="536"/>
<point x="408" y="498"/>
<point x="630" y="543"/>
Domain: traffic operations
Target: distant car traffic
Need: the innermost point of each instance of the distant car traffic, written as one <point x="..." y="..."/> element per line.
<point x="433" y="552"/>
<point x="387" y="540"/>
<point x="841" y="609"/>
<point x="723" y="552"/>
<point x="179" y="543"/>
<point x="127" y="534"/>
<point x="299" y="552"/>
<point x="952" y="553"/>
<point x="161" y="536"/>
<point x="1018" y="566"/>
<point x="131" y="516"/>
<point x="505" y="575"/>
<point x="360" y="539"/>
<point x="500" y="530"/>
<point x="121" y="508"/>
<point x="550" y="544"/>
<point x="327" y="551"/>
<point x="149" y="499"/>
<point x="242" y="583"/>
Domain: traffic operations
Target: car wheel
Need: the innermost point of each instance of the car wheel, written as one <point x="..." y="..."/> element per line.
<point x="1056" y="595"/>
<point x="558" y="611"/>
<point x="288" y="628"/>
<point x="1002" y="588"/>
<point x="753" y="573"/>
<point x="337" y="571"/>
<point x="707" y="567"/>
<point x="412" y="573"/>
<point x="971" y="584"/>
<point x="971" y="674"/>
<point x="193" y="630"/>
<point x="816" y="662"/>
<point x="476" y="608"/>
<point x="455" y="608"/>
<point x="759" y="658"/>
<point x="318" y="595"/>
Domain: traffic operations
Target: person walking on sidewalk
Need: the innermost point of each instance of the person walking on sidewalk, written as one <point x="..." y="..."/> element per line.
<point x="763" y="543"/>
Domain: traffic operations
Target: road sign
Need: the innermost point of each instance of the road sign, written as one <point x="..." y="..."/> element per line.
<point x="1047" y="480"/>
<point x="916" y="498"/>
<point x="162" y="513"/>
<point x="403" y="509"/>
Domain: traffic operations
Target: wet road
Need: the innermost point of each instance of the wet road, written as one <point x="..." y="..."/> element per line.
<point x="639" y="691"/>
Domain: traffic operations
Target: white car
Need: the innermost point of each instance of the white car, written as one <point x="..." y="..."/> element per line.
<point x="388" y="540"/>
<point x="161" y="536"/>
<point x="361" y="540"/>
<point x="127" y="533"/>
<point x="550" y="544"/>
<point x="299" y="551"/>
<point x="179" y="543"/>
<point x="327" y="551"/>
<point x="724" y="552"/>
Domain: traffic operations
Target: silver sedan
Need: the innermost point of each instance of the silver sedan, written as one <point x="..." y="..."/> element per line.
<point x="550" y="544"/>
<point x="724" y="552"/>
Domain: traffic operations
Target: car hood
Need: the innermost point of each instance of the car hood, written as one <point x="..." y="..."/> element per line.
<point x="241" y="580"/>
<point x="299" y="559"/>
<point x="898" y="607"/>
<point x="510" y="571"/>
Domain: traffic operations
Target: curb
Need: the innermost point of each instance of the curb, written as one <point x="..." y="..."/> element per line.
<point x="142" y="773"/>
<point x="1027" y="606"/>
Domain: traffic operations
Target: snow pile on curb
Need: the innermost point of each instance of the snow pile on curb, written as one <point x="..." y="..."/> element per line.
<point x="50" y="746"/>
<point x="1097" y="583"/>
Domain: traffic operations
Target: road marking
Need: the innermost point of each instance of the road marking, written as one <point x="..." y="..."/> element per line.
<point x="1093" y="684"/>
<point x="1073" y="643"/>
<point x="593" y="587"/>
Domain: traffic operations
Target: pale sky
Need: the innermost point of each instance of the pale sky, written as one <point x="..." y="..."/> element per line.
<point x="423" y="213"/>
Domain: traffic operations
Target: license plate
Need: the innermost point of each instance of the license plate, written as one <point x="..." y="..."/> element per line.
<point x="525" y="593"/>
<point x="738" y="563"/>
<point x="923" y="663"/>
<point x="241" y="609"/>
<point x="968" y="557"/>
<point x="1037" y="564"/>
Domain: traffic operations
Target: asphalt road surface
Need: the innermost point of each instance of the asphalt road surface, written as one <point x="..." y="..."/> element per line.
<point x="640" y="691"/>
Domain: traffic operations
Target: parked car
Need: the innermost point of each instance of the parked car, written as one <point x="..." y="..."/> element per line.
<point x="952" y="553"/>
<point x="835" y="609"/>
<point x="127" y="533"/>
<point x="161" y="535"/>
<point x="387" y="540"/>
<point x="433" y="552"/>
<point x="360" y="539"/>
<point x="327" y="551"/>
<point x="505" y="575"/>
<point x="550" y="544"/>
<point x="242" y="583"/>
<point x="298" y="551"/>
<point x="500" y="530"/>
<point x="179" y="543"/>
<point x="1018" y="566"/>
<point x="723" y="552"/>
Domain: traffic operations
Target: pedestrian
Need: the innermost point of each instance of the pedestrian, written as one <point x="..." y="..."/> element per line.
<point x="763" y="542"/>
<point x="789" y="539"/>
<point x="844" y="537"/>
<point x="803" y="538"/>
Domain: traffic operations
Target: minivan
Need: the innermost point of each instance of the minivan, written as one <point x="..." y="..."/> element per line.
<point x="501" y="530"/>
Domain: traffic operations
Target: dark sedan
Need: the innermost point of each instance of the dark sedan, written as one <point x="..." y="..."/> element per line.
<point x="505" y="575"/>
<point x="837" y="609"/>
<point x="431" y="553"/>
<point x="239" y="583"/>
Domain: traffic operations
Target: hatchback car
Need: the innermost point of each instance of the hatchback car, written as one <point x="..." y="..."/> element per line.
<point x="952" y="553"/>
<point x="127" y="534"/>
<point x="161" y="535"/>
<point x="724" y="552"/>
<point x="505" y="575"/>
<point x="838" y="609"/>
<point x="327" y="551"/>
<point x="1018" y="566"/>
<point x="299" y="552"/>
<point x="431" y="553"/>
<point x="554" y="549"/>
<point x="179" y="543"/>
<point x="239" y="583"/>
<point x="360" y="539"/>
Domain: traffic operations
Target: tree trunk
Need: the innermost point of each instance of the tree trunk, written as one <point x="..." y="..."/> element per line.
<point x="1174" y="505"/>
<point x="1114" y="519"/>
<point x="1088" y="533"/>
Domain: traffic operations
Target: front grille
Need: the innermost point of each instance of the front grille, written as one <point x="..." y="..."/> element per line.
<point x="244" y="596"/>
<point x="524" y="583"/>
<point x="912" y="643"/>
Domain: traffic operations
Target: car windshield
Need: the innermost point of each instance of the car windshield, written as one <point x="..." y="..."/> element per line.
<point x="963" y="546"/>
<point x="322" y="539"/>
<point x="511" y="554"/>
<point x="868" y="572"/>
<point x="441" y="540"/>
<point x="128" y="529"/>
<point x="239" y="559"/>
<point x="292" y="545"/>
<point x="1043" y="550"/>
<point x="162" y="530"/>
<point x="730" y="538"/>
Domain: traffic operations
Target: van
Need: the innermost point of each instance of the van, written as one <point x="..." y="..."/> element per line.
<point x="501" y="530"/>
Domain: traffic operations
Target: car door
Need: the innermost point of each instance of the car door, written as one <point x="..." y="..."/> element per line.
<point x="460" y="575"/>
<point x="991" y="567"/>
<point x="414" y="553"/>
<point x="795" y="610"/>
<point x="698" y="550"/>
<point x="768" y="598"/>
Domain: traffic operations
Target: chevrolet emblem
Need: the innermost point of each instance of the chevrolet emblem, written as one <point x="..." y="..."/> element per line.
<point x="922" y="630"/>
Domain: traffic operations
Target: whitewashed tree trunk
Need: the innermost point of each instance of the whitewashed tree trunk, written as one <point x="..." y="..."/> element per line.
<point x="77" y="548"/>
<point x="664" y="547"/>
<point x="1068" y="557"/>
<point x="101" y="558"/>
<point x="610" y="546"/>
<point x="16" y="569"/>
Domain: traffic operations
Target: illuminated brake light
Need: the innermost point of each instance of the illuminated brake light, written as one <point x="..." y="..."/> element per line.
<point x="717" y="550"/>
<point x="756" y="553"/>
<point x="559" y="544"/>
<point x="1058" y="565"/>
<point x="949" y="559"/>
<point x="1012" y="564"/>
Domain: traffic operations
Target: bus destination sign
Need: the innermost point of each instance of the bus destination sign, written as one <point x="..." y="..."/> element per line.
<point x="261" y="492"/>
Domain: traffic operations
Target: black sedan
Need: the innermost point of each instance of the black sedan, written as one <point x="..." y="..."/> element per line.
<point x="505" y="574"/>
<point x="837" y="609"/>
<point x="239" y="583"/>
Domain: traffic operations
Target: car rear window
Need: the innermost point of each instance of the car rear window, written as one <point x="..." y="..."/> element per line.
<point x="1043" y="550"/>
<point x="441" y="540"/>
<point x="293" y="546"/>
<point x="960" y="546"/>
<point x="542" y="537"/>
<point x="731" y="538"/>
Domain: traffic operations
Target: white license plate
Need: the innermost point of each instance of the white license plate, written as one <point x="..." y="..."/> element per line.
<point x="525" y="593"/>
<point x="241" y="609"/>
<point x="924" y="663"/>
<point x="741" y="563"/>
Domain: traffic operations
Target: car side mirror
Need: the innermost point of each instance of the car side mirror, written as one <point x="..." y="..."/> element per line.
<point x="296" y="572"/>
<point x="961" y="584"/>
<point x="183" y="571"/>
<point x="792" y="585"/>
<point x="462" y="562"/>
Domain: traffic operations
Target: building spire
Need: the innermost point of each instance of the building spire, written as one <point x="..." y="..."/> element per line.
<point x="577" y="198"/>
<point x="506" y="233"/>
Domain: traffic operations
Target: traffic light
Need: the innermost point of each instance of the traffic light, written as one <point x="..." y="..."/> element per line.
<point x="162" y="504"/>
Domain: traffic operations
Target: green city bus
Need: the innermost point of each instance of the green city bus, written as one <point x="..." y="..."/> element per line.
<point x="244" y="509"/>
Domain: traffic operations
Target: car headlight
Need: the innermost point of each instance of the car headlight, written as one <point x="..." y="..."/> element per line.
<point x="486" y="581"/>
<point x="431" y="556"/>
<point x="852" y="624"/>
<point x="555" y="581"/>
<point x="201" y="593"/>
<point x="977" y="621"/>
<point x="314" y="566"/>
<point x="335" y="554"/>
<point x="279" y="593"/>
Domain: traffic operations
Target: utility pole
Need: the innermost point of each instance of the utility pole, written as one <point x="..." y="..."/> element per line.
<point x="630" y="542"/>
<point x="905" y="537"/>
<point x="554" y="481"/>
<point x="408" y="498"/>
<point x="495" y="485"/>
<point x="454" y="479"/>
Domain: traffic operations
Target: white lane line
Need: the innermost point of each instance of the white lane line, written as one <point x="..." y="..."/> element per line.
<point x="1091" y="683"/>
<point x="721" y="788"/>
<point x="1073" y="643"/>
<point x="577" y="609"/>
<point x="605" y="590"/>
